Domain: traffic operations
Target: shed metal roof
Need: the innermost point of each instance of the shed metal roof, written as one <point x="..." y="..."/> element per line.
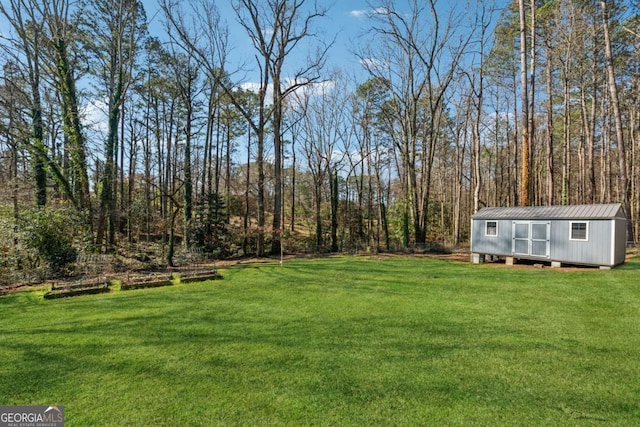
<point x="603" y="211"/>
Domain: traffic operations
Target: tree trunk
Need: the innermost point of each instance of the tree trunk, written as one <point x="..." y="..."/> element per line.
<point x="525" y="183"/>
<point x="550" y="141"/>
<point x="261" y="212"/>
<point x="318" y="212"/>
<point x="293" y="183"/>
<point x="617" y="115"/>
<point x="277" y="166"/>
<point x="147" y="169"/>
<point x="334" y="210"/>
<point x="566" y="157"/>
<point x="276" y="230"/>
<point x="172" y="233"/>
<point x="245" y="223"/>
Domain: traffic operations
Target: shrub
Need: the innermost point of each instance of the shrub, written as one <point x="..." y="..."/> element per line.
<point x="208" y="228"/>
<point x="50" y="233"/>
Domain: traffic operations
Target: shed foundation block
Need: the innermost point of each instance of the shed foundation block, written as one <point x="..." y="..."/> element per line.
<point x="509" y="260"/>
<point x="556" y="264"/>
<point x="477" y="258"/>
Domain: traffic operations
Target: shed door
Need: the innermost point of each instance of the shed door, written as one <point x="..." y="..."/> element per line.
<point x="520" y="238"/>
<point x="531" y="238"/>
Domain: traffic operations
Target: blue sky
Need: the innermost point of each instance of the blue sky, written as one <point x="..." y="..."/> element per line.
<point x="345" y="21"/>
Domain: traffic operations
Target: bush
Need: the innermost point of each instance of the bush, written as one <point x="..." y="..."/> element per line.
<point x="50" y="233"/>
<point x="208" y="228"/>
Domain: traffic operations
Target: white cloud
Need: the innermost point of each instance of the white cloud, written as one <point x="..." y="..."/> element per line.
<point x="362" y="13"/>
<point x="381" y="11"/>
<point x="255" y="88"/>
<point x="251" y="86"/>
<point x="95" y="115"/>
<point x="358" y="13"/>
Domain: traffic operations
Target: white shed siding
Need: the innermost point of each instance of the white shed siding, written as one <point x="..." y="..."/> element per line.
<point x="493" y="245"/>
<point x="595" y="250"/>
<point x="620" y="243"/>
<point x="605" y="244"/>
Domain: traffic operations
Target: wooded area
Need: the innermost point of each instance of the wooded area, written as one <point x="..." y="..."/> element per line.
<point x="117" y="136"/>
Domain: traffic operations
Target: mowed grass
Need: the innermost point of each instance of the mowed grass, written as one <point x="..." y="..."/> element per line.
<point x="337" y="341"/>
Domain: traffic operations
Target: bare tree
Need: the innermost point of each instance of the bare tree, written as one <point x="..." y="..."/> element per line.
<point x="325" y="127"/>
<point x="277" y="28"/>
<point x="114" y="30"/>
<point x="617" y="115"/>
<point x="186" y="74"/>
<point x="29" y="30"/>
<point x="477" y="82"/>
<point x="46" y="42"/>
<point x="369" y="109"/>
<point x="419" y="60"/>
<point x="525" y="183"/>
<point x="12" y="100"/>
<point x="549" y="68"/>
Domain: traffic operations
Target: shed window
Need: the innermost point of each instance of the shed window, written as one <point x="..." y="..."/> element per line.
<point x="579" y="231"/>
<point x="492" y="228"/>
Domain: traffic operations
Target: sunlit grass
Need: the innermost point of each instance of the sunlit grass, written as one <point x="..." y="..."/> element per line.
<point x="336" y="341"/>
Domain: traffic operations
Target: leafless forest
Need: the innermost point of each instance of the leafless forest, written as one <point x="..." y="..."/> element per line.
<point x="118" y="136"/>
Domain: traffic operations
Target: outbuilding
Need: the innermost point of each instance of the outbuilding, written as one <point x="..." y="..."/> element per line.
<point x="593" y="235"/>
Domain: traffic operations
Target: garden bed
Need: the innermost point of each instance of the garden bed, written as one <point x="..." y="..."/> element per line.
<point x="96" y="286"/>
<point x="87" y="288"/>
<point x="199" y="276"/>
<point x="146" y="284"/>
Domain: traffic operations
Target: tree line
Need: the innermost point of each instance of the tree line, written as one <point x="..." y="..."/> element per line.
<point x="151" y="133"/>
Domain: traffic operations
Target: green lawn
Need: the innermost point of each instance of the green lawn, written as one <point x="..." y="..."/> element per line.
<point x="337" y="341"/>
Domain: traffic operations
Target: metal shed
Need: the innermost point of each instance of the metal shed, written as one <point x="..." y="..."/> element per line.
<point x="578" y="234"/>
